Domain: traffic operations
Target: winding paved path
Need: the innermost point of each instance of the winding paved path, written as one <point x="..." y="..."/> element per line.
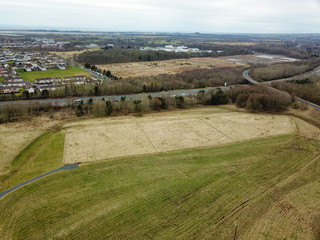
<point x="65" y="167"/>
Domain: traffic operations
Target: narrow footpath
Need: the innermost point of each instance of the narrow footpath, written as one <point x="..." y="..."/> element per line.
<point x="65" y="167"/>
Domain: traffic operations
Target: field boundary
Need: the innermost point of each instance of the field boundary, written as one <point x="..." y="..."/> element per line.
<point x="148" y="137"/>
<point x="201" y="119"/>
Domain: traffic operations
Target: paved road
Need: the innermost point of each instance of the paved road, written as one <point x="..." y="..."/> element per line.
<point x="246" y="75"/>
<point x="67" y="101"/>
<point x="102" y="78"/>
<point x="65" y="167"/>
<point x="250" y="79"/>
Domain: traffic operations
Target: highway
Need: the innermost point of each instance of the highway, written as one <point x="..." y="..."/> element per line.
<point x="114" y="98"/>
<point x="245" y="74"/>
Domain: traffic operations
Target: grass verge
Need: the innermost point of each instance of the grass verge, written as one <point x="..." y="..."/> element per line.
<point x="190" y="194"/>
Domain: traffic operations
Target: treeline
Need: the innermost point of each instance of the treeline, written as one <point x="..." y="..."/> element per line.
<point x="309" y="91"/>
<point x="252" y="98"/>
<point x="12" y="113"/>
<point x="116" y="55"/>
<point x="282" y="70"/>
<point x="260" y="99"/>
<point x="148" y="104"/>
<point x="197" y="78"/>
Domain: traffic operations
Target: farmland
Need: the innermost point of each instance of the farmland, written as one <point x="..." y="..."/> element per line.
<point x="94" y="140"/>
<point x="138" y="69"/>
<point x="197" y="173"/>
<point x="267" y="188"/>
<point x="70" y="71"/>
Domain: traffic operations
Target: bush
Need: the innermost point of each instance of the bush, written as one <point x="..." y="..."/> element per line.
<point x="260" y="99"/>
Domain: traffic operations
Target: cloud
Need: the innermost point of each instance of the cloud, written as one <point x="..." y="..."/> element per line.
<point x="165" y="15"/>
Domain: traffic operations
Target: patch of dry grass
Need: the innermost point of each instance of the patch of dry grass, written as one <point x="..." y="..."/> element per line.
<point x="98" y="139"/>
<point x="138" y="69"/>
<point x="307" y="130"/>
<point x="70" y="54"/>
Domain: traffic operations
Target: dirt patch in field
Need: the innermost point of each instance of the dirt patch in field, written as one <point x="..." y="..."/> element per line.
<point x="93" y="140"/>
<point x="138" y="69"/>
<point x="16" y="136"/>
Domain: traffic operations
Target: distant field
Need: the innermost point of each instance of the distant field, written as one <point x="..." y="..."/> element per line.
<point x="163" y="42"/>
<point x="71" y="71"/>
<point x="260" y="189"/>
<point x="98" y="139"/>
<point x="70" y="54"/>
<point x="235" y="43"/>
<point x="137" y="69"/>
<point x="259" y="59"/>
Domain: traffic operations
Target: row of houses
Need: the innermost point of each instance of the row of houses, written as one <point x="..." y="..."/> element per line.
<point x="33" y="43"/>
<point x="14" y="84"/>
<point x="31" y="61"/>
<point x="76" y="80"/>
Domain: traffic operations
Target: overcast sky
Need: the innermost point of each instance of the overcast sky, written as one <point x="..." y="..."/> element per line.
<point x="237" y="16"/>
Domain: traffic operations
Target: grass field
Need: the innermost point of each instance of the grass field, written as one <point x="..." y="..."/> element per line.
<point x="70" y="71"/>
<point x="16" y="136"/>
<point x="268" y="188"/>
<point x="98" y="139"/>
<point x="1" y="79"/>
<point x="138" y="69"/>
<point x="235" y="43"/>
<point x="165" y="42"/>
<point x="70" y="54"/>
<point x="42" y="155"/>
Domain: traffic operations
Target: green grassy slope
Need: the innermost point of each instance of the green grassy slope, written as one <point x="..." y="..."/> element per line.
<point x="191" y="194"/>
<point x="42" y="155"/>
<point x="71" y="71"/>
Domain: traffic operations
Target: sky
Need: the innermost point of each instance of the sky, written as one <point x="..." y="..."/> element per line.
<point x="205" y="16"/>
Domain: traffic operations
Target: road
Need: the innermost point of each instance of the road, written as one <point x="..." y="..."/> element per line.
<point x="245" y="74"/>
<point x="101" y="77"/>
<point x="65" y="167"/>
<point x="68" y="101"/>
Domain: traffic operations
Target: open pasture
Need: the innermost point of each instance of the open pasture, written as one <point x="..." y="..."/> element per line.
<point x="260" y="189"/>
<point x="138" y="69"/>
<point x="93" y="140"/>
